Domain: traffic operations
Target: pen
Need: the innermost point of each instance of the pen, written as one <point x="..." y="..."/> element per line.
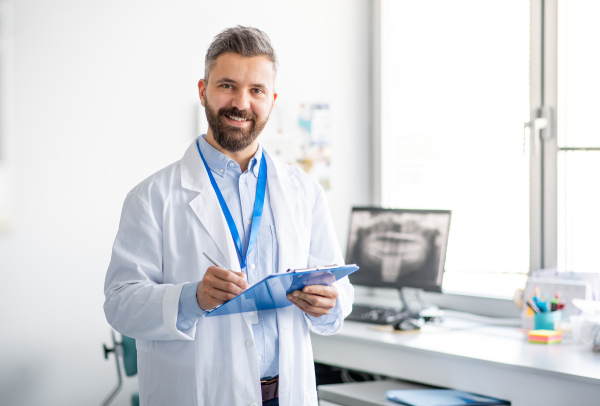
<point x="533" y="307"/>
<point x="554" y="303"/>
<point x="214" y="261"/>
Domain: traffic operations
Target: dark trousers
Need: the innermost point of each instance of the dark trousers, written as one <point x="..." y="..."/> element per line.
<point x="271" y="402"/>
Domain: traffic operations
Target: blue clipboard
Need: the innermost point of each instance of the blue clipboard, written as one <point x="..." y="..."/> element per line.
<point x="271" y="292"/>
<point x="441" y="397"/>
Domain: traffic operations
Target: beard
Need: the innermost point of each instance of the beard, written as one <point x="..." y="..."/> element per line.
<point x="230" y="138"/>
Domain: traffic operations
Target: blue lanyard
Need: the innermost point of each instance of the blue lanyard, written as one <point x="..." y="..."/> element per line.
<point x="259" y="202"/>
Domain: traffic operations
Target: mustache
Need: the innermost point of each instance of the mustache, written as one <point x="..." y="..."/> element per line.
<point x="234" y="111"/>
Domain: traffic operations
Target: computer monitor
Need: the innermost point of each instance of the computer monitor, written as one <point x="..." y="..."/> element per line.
<point x="398" y="248"/>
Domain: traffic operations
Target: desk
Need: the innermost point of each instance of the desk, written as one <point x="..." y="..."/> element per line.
<point x="489" y="360"/>
<point x="362" y="393"/>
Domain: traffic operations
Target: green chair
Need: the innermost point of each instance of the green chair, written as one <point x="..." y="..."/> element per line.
<point x="126" y="350"/>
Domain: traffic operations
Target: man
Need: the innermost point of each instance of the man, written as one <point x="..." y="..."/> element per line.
<point x="160" y="282"/>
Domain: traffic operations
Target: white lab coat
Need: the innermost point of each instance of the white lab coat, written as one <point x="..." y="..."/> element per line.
<point x="167" y="221"/>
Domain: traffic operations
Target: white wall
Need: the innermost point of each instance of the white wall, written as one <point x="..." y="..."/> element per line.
<point x="105" y="94"/>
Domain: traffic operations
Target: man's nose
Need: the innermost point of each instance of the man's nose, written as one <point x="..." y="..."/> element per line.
<point x="241" y="100"/>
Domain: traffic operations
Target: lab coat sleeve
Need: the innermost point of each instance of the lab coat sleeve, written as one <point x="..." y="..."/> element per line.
<point x="137" y="303"/>
<point x="325" y="250"/>
<point x="189" y="310"/>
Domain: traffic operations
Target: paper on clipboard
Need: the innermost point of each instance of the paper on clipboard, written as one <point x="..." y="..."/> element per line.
<point x="271" y="292"/>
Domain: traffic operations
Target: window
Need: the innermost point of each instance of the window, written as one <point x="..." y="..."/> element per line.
<point x="578" y="138"/>
<point x="478" y="111"/>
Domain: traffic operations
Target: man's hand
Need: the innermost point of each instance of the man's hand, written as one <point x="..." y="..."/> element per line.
<point x="315" y="300"/>
<point x="218" y="286"/>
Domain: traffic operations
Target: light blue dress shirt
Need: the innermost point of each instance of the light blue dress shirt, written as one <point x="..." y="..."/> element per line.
<point x="239" y="191"/>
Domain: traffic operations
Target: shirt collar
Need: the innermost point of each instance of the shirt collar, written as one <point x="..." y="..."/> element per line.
<point x="219" y="162"/>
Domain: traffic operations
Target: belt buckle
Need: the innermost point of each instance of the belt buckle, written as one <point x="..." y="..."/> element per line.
<point x="270" y="381"/>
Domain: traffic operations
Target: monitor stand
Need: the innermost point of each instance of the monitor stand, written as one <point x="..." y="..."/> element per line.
<point x="412" y="306"/>
<point x="412" y="301"/>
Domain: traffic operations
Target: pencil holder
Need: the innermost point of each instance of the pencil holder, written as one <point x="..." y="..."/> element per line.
<point x="546" y="320"/>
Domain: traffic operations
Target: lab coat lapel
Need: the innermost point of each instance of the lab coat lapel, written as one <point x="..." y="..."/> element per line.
<point x="282" y="198"/>
<point x="206" y="205"/>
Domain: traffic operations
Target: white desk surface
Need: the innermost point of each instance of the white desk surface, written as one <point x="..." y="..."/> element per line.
<point x="489" y="360"/>
<point x="362" y="393"/>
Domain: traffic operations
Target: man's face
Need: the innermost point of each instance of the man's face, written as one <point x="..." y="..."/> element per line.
<point x="238" y="99"/>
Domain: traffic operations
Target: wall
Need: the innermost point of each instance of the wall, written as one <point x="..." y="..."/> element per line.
<point x="104" y="95"/>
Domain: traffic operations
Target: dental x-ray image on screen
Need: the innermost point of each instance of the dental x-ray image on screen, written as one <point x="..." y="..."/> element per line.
<point x="398" y="248"/>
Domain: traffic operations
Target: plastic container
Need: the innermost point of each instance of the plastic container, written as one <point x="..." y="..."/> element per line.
<point x="586" y="331"/>
<point x="546" y="320"/>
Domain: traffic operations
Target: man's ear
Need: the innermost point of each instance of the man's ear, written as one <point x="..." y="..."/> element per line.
<point x="202" y="91"/>
<point x="274" y="98"/>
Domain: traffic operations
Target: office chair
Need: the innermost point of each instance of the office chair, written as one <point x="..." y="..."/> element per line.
<point x="126" y="350"/>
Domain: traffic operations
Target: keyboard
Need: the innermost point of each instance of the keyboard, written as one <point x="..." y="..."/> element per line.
<point x="374" y="314"/>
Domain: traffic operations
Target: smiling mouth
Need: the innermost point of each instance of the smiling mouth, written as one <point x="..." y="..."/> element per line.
<point x="235" y="118"/>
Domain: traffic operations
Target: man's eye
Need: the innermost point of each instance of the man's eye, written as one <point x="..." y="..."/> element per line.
<point x="226" y="86"/>
<point x="258" y="91"/>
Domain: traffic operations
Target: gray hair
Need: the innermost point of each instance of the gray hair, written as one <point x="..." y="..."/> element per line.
<point x="244" y="41"/>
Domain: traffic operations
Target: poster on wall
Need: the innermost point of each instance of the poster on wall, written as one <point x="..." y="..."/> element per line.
<point x="301" y="135"/>
<point x="315" y="123"/>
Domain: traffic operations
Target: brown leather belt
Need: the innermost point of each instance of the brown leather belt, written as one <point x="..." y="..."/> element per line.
<point x="270" y="388"/>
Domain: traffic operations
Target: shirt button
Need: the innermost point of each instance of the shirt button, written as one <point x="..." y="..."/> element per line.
<point x="221" y="170"/>
<point x="249" y="343"/>
<point x="231" y="164"/>
<point x="248" y="221"/>
<point x="252" y="266"/>
<point x="260" y="357"/>
<point x="253" y="404"/>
